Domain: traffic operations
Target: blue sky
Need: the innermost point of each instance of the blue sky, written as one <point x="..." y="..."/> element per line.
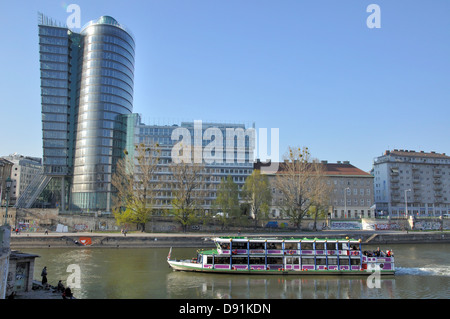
<point x="311" y="68"/>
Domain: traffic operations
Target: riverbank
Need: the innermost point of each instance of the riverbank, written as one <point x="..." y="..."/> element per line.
<point x="203" y="240"/>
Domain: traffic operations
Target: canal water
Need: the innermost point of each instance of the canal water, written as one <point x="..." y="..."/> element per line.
<point x="423" y="272"/>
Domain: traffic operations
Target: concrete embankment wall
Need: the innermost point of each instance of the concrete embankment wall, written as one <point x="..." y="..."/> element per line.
<point x="411" y="237"/>
<point x="204" y="241"/>
<point x="23" y="241"/>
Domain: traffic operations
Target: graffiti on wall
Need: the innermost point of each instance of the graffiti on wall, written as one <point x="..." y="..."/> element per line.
<point x="102" y="225"/>
<point x="427" y="225"/>
<point x="30" y="226"/>
<point x="344" y="225"/>
<point x="376" y="225"/>
<point x="80" y="227"/>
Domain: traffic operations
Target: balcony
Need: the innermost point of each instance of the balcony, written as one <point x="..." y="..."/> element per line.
<point x="395" y="179"/>
<point x="394" y="174"/>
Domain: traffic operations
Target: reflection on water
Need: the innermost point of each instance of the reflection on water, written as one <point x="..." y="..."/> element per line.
<point x="423" y="272"/>
<point x="221" y="286"/>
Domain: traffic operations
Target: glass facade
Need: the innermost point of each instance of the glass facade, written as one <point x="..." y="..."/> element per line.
<point x="106" y="93"/>
<point x="235" y="164"/>
<point x="55" y="76"/>
<point x="86" y="86"/>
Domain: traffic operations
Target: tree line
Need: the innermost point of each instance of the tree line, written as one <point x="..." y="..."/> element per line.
<point x="140" y="181"/>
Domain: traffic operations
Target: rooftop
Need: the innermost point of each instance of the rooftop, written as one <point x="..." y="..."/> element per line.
<point x="432" y="154"/>
<point x="331" y="169"/>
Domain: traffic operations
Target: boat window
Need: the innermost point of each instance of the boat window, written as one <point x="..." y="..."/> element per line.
<point x="225" y="245"/>
<point x="257" y="261"/>
<point x="307" y="246"/>
<point x="290" y="246"/>
<point x="275" y="260"/>
<point x="355" y="261"/>
<point x="209" y="260"/>
<point x="343" y="246"/>
<point x="343" y="261"/>
<point x="331" y="246"/>
<point x="240" y="261"/>
<point x="256" y="245"/>
<point x="221" y="260"/>
<point x="320" y="246"/>
<point x="332" y="261"/>
<point x="291" y="260"/>
<point x="321" y="261"/>
<point x="239" y="245"/>
<point x="274" y="246"/>
<point x="307" y="261"/>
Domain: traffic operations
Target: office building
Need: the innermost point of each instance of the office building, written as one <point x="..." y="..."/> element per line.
<point x="217" y="165"/>
<point x="87" y="81"/>
<point x="412" y="183"/>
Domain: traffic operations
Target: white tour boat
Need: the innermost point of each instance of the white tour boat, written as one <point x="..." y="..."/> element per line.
<point x="242" y="255"/>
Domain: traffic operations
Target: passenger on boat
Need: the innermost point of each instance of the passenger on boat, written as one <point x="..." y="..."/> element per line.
<point x="377" y="253"/>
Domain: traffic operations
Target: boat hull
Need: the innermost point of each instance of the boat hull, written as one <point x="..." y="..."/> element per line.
<point x="195" y="267"/>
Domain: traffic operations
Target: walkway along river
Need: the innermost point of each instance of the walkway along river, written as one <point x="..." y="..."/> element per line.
<point x="198" y="240"/>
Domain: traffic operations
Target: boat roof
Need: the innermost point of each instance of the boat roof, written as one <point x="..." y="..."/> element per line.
<point x="304" y="239"/>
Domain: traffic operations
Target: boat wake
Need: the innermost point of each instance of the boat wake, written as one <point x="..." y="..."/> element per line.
<point x="424" y="271"/>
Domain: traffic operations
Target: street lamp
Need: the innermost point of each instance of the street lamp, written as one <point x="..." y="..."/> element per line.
<point x="406" y="202"/>
<point x="8" y="184"/>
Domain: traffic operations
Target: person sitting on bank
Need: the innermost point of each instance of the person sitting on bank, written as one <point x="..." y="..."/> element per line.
<point x="60" y="287"/>
<point x="67" y="294"/>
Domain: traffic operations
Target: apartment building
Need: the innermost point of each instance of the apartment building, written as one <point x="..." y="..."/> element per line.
<point x="407" y="182"/>
<point x="351" y="191"/>
<point x="23" y="171"/>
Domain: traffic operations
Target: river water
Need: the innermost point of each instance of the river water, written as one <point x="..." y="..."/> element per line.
<point x="423" y="272"/>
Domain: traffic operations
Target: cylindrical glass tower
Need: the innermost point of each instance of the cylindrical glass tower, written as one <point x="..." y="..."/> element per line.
<point x="105" y="93"/>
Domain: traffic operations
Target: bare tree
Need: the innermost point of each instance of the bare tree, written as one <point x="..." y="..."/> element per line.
<point x="136" y="184"/>
<point x="189" y="190"/>
<point x="227" y="201"/>
<point x="256" y="192"/>
<point x="320" y="194"/>
<point x="300" y="182"/>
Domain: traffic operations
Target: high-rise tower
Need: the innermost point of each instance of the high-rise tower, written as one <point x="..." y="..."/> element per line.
<point x="106" y="73"/>
<point x="86" y="86"/>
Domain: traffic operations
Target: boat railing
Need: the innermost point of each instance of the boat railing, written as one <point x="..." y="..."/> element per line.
<point x="309" y="252"/>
